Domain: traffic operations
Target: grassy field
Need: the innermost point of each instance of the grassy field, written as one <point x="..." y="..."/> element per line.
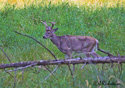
<point x="101" y="19"/>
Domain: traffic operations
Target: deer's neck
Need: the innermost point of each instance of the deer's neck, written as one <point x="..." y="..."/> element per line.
<point x="55" y="40"/>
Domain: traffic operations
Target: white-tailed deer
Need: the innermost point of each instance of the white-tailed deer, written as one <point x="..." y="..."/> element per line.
<point x="68" y="44"/>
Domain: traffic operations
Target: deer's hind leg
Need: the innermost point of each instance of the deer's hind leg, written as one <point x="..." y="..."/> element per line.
<point x="87" y="55"/>
<point x="92" y="49"/>
<point x="90" y="52"/>
<point x="94" y="55"/>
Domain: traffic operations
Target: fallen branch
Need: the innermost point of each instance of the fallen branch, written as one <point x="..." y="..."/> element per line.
<point x="114" y="59"/>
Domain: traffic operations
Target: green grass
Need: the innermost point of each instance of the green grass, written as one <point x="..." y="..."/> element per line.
<point x="103" y="20"/>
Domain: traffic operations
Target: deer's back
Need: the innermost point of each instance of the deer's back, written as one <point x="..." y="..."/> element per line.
<point x="76" y="43"/>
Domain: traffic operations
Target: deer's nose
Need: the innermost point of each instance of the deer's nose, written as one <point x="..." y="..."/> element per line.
<point x="44" y="37"/>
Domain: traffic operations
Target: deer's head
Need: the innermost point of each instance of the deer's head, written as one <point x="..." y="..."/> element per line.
<point x="49" y="30"/>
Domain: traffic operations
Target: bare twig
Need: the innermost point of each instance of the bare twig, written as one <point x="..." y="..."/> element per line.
<point x="31" y="65"/>
<point x="70" y="70"/>
<point x="22" y="74"/>
<point x="120" y="68"/>
<point x="73" y="68"/>
<point x="73" y="74"/>
<point x="83" y="66"/>
<point x="15" y="78"/>
<point x="51" y="73"/>
<point x="8" y="73"/>
<point x="109" y="54"/>
<point x="37" y="42"/>
<point x="5" y="55"/>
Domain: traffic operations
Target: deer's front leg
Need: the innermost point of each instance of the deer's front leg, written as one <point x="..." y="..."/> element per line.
<point x="68" y="54"/>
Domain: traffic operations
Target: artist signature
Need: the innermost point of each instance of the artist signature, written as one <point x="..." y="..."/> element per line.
<point x="105" y="83"/>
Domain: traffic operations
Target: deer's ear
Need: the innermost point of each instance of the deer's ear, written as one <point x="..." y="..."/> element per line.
<point x="54" y="30"/>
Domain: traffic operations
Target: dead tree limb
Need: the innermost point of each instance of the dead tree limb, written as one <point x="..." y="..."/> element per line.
<point x="51" y="72"/>
<point x="70" y="70"/>
<point x="37" y="42"/>
<point x="5" y="55"/>
<point x="83" y="66"/>
<point x="8" y="60"/>
<point x="8" y="73"/>
<point x="114" y="59"/>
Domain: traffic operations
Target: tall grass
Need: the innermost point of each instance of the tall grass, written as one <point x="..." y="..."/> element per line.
<point x="102" y="19"/>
